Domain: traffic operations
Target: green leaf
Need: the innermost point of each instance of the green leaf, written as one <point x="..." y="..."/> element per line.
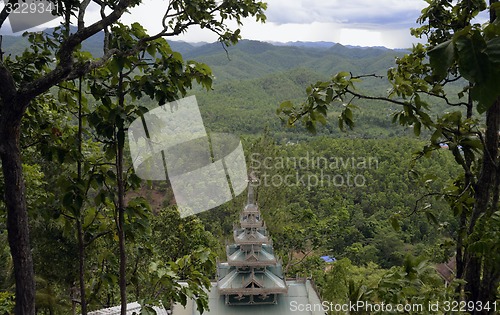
<point x="493" y="50"/>
<point x="486" y="93"/>
<point x="147" y="310"/>
<point x="68" y="200"/>
<point x="472" y="62"/>
<point x="110" y="152"/>
<point x="475" y="144"/>
<point x="329" y="95"/>
<point x="395" y="223"/>
<point x="416" y="128"/>
<point x="89" y="216"/>
<point x="496" y="7"/>
<point x="341" y="123"/>
<point x="114" y="66"/>
<point x="431" y="217"/>
<point x="321" y="119"/>
<point x="442" y="57"/>
<point x="286" y="106"/>
<point x="310" y="126"/>
<point x="151" y="49"/>
<point x="348" y="113"/>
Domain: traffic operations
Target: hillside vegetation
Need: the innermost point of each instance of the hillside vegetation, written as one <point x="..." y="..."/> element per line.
<point x="374" y="223"/>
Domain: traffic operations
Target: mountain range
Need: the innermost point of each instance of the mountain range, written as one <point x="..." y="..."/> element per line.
<point x="251" y="58"/>
<point x="252" y="78"/>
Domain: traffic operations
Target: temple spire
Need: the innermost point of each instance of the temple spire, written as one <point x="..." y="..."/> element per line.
<point x="252" y="181"/>
<point x="251" y="195"/>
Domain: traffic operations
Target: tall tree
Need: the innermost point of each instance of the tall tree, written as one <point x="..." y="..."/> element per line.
<point x="459" y="51"/>
<point x="161" y="75"/>
<point x="31" y="75"/>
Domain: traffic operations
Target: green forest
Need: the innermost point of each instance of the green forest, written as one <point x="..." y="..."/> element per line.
<point x="386" y="160"/>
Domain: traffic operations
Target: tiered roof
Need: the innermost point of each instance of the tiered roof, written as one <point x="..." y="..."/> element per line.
<point x="252" y="273"/>
<point x="252" y="278"/>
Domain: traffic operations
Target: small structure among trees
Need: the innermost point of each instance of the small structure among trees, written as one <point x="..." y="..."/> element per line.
<point x="252" y="273"/>
<point x="250" y="282"/>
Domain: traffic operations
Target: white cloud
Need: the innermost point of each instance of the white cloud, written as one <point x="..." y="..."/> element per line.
<point x="359" y="11"/>
<point x="355" y="22"/>
<point x="361" y="22"/>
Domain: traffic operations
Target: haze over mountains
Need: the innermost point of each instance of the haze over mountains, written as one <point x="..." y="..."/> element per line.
<point x="256" y="59"/>
<point x="15" y="45"/>
<point x="252" y="78"/>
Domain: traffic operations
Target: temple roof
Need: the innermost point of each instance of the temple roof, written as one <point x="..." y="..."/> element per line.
<point x="252" y="283"/>
<point x="252" y="274"/>
<point x="257" y="256"/>
<point x="244" y="236"/>
<point x="300" y="292"/>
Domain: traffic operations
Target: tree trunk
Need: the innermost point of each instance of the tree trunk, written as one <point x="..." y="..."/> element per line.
<point x="81" y="269"/>
<point x="81" y="240"/>
<point x="123" y="254"/>
<point x="462" y="228"/>
<point x="481" y="271"/>
<point x="121" y="202"/>
<point x="17" y="212"/>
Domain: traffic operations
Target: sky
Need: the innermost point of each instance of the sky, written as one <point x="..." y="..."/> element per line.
<point x="356" y="22"/>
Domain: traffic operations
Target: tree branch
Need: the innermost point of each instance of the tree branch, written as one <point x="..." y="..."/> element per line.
<point x="373" y="75"/>
<point x="65" y="53"/>
<point x="289" y="264"/>
<point x="95" y="237"/>
<point x="376" y="98"/>
<point x="84" y="68"/>
<point x="81" y="13"/>
<point x="8" y="85"/>
<point x="445" y="99"/>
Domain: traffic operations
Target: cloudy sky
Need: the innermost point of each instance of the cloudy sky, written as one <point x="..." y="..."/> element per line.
<point x="356" y="22"/>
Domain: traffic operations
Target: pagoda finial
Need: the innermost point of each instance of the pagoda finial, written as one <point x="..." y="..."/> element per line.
<point x="251" y="194"/>
<point x="252" y="180"/>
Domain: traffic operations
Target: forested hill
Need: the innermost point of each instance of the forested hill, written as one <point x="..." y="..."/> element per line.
<point x="252" y="78"/>
<point x="254" y="59"/>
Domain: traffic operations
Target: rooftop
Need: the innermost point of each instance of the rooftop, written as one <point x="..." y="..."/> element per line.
<point x="300" y="292"/>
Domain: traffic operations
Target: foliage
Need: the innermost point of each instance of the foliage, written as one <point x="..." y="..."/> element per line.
<point x="415" y="283"/>
<point x="347" y="222"/>
<point x="182" y="280"/>
<point x="6" y="303"/>
<point x="175" y="237"/>
<point x="458" y="51"/>
<point x="56" y="60"/>
<point x="310" y="217"/>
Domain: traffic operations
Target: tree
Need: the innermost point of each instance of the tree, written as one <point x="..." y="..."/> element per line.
<point x="31" y="76"/>
<point x="459" y="68"/>
<point x="118" y="86"/>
